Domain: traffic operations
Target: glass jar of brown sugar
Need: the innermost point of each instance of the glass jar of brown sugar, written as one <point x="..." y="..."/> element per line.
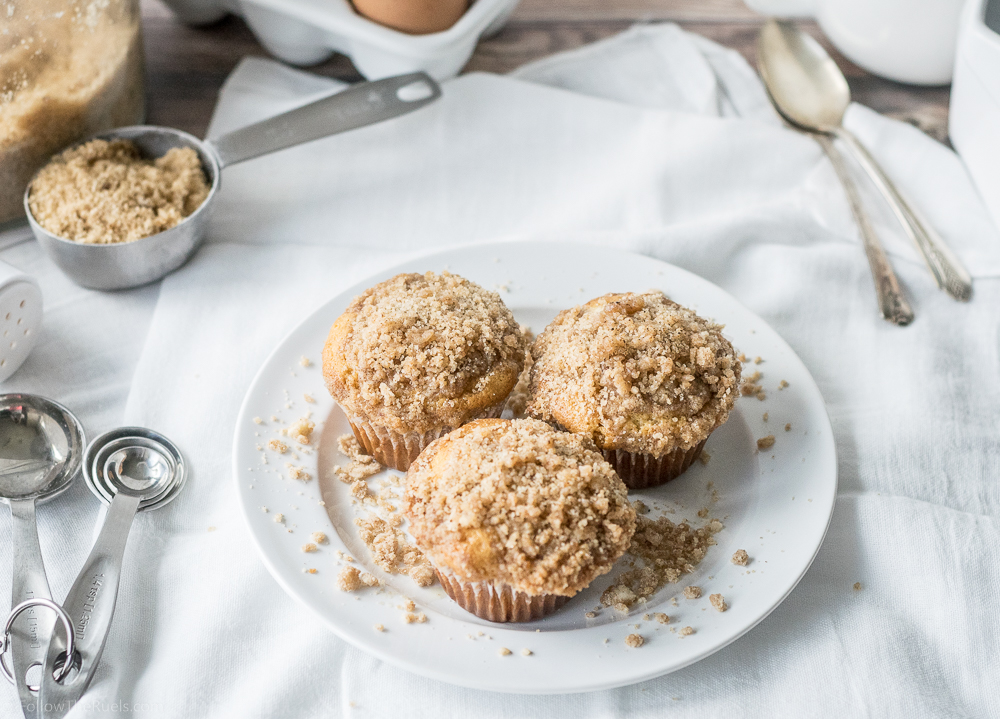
<point x="68" y="69"/>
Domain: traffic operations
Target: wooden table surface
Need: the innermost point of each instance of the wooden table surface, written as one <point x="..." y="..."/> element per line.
<point x="186" y="66"/>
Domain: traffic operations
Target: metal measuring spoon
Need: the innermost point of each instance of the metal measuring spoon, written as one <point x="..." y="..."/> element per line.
<point x="41" y="445"/>
<point x="132" y="469"/>
<point x="811" y="92"/>
<point x="130" y="264"/>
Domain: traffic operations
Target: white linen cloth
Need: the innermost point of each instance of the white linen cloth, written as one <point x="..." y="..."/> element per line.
<point x="656" y="141"/>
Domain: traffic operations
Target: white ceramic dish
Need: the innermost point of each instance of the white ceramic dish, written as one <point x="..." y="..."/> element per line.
<point x="775" y="504"/>
<point x="305" y="32"/>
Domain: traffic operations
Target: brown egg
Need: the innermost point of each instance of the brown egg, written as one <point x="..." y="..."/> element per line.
<point x="417" y="17"/>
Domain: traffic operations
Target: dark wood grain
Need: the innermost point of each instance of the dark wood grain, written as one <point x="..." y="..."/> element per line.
<point x="187" y="66"/>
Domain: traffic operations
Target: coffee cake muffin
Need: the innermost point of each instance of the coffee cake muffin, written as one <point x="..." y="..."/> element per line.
<point x="417" y="356"/>
<point x="647" y="379"/>
<point x="516" y="517"/>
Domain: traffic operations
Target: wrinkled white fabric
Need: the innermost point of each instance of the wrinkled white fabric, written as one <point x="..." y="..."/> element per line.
<point x="655" y="141"/>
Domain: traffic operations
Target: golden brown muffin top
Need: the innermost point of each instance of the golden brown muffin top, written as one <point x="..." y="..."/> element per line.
<point x="419" y="352"/>
<point x="635" y="372"/>
<point x="520" y="503"/>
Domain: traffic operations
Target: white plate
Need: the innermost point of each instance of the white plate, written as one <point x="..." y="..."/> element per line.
<point x="775" y="504"/>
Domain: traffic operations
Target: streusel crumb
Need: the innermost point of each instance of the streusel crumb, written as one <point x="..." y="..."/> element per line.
<point x="661" y="618"/>
<point x="765" y="442"/>
<point x="318" y="537"/>
<point x="687" y="631"/>
<point x="634" y="640"/>
<point x="517" y="402"/>
<point x="505" y="652"/>
<point x="741" y="558"/>
<point x="309" y="547"/>
<point x="276" y="445"/>
<point x="298" y="473"/>
<point x="718" y="601"/>
<point x="301" y="430"/>
<point x="391" y="552"/>
<point x="526" y="652"/>
<point x="349" y="580"/>
<point x="692" y="592"/>
<point x="517" y="502"/>
<point x="666" y="552"/>
<point x="788" y="427"/>
<point x="635" y="372"/>
<point x="418" y="352"/>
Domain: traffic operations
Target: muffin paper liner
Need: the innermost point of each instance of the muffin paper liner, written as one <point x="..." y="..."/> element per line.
<point x="398" y="451"/>
<point x="639" y="470"/>
<point x="498" y="603"/>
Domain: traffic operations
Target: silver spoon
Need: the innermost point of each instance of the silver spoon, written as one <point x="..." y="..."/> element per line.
<point x="132" y="469"/>
<point x="41" y="444"/>
<point x="130" y="264"/>
<point x="810" y="91"/>
<point x="892" y="300"/>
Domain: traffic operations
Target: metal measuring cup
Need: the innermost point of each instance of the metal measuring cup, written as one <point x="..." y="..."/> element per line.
<point x="41" y="445"/>
<point x="131" y="469"/>
<point x="130" y="264"/>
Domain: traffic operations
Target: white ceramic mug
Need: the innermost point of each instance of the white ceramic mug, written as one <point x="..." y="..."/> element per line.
<point x="906" y="40"/>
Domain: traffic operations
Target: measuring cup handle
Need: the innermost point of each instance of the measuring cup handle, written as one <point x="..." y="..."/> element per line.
<point x="91" y="606"/>
<point x="363" y="104"/>
<point x="30" y="635"/>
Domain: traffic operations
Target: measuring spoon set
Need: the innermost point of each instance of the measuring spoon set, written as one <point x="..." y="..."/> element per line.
<point x="51" y="651"/>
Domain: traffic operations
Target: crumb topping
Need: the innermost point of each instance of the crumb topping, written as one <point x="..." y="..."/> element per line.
<point x="634" y="640"/>
<point x="665" y="552"/>
<point x="765" y="442"/>
<point x="718" y="601"/>
<point x="418" y="352"/>
<point x="517" y="402"/>
<point x="349" y="580"/>
<point x="517" y="502"/>
<point x="692" y="592"/>
<point x="635" y="372"/>
<point x="741" y="558"/>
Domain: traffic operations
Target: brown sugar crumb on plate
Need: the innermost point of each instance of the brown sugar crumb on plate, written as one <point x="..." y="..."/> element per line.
<point x="349" y="580"/>
<point x="692" y="592"/>
<point x="719" y="602"/>
<point x="857" y="586"/>
<point x="504" y="652"/>
<point x="662" y="618"/>
<point x="634" y="640"/>
<point x="765" y="442"/>
<point x="276" y="445"/>
<point x="687" y="631"/>
<point x="741" y="558"/>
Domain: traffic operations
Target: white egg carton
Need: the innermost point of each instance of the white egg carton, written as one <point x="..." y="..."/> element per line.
<point x="306" y="32"/>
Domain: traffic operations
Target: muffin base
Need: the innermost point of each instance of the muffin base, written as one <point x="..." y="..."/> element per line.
<point x="639" y="470"/>
<point x="398" y="451"/>
<point x="498" y="603"/>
